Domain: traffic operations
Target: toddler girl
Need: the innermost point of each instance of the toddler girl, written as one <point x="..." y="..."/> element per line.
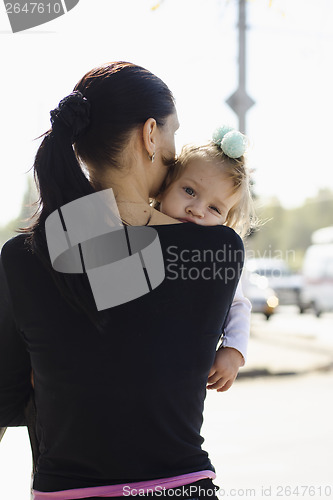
<point x="209" y="185"/>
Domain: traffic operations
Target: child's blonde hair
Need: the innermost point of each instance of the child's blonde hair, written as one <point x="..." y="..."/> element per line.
<point x="241" y="217"/>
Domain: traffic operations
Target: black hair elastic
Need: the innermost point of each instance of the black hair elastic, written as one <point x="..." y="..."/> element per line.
<point x="72" y="114"/>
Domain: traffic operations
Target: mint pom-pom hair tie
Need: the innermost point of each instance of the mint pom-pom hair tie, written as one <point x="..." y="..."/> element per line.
<point x="232" y="142"/>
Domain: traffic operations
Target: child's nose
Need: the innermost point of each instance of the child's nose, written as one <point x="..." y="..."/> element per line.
<point x="196" y="210"/>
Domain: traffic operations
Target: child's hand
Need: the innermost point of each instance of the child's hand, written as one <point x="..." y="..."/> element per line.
<point x="225" y="369"/>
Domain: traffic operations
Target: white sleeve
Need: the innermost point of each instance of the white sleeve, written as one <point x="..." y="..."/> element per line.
<point x="237" y="326"/>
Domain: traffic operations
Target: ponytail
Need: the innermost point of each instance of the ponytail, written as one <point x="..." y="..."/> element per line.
<point x="56" y="169"/>
<point x="60" y="180"/>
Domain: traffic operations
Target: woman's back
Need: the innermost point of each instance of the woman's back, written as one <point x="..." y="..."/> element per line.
<point x="125" y="404"/>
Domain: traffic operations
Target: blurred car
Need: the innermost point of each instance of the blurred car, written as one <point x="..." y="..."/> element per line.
<point x="257" y="290"/>
<point x="287" y="285"/>
<point x="317" y="292"/>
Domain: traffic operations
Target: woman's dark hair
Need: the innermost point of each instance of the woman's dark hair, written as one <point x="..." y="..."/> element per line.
<point x="121" y="96"/>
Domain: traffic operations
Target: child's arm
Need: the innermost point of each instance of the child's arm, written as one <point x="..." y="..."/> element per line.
<point x="232" y="354"/>
<point x="237" y="326"/>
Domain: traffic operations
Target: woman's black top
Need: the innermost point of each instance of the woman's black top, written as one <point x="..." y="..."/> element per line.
<point x="125" y="405"/>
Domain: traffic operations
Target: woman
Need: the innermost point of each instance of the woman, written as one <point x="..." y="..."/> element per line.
<point x="119" y="392"/>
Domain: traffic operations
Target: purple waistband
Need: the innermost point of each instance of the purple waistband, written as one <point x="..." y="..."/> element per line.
<point x="127" y="489"/>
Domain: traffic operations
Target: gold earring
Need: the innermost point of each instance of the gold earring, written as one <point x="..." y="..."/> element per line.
<point x="152" y="157"/>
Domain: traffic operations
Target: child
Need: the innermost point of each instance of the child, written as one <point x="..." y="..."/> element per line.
<point x="209" y="185"/>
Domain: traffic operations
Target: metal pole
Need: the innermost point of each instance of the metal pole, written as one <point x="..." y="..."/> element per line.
<point x="240" y="102"/>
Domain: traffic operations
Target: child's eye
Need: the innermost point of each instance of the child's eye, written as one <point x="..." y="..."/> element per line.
<point x="216" y="209"/>
<point x="189" y="191"/>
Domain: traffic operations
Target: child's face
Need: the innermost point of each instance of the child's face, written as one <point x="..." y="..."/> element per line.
<point x="203" y="194"/>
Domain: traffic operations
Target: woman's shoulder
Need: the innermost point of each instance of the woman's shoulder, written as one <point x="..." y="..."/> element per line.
<point x="228" y="233"/>
<point x="205" y="233"/>
<point x="16" y="245"/>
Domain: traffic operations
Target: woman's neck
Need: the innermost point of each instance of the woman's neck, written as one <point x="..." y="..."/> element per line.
<point x="127" y="188"/>
<point x="131" y="192"/>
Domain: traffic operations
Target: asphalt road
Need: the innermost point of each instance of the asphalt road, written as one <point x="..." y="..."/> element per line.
<point x="290" y="342"/>
<point x="272" y="437"/>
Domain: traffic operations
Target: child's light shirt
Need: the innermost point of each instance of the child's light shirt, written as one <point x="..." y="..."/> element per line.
<point x="237" y="326"/>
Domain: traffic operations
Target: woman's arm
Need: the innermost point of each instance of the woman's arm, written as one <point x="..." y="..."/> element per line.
<point x="15" y="368"/>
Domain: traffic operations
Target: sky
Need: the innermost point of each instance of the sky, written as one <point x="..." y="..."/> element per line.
<point x="192" y="45"/>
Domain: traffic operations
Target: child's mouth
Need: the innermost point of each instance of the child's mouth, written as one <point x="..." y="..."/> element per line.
<point x="185" y="220"/>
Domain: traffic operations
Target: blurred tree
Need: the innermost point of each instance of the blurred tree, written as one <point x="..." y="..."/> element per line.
<point x="287" y="233"/>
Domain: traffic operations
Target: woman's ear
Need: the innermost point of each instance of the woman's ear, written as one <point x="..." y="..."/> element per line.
<point x="149" y="136"/>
